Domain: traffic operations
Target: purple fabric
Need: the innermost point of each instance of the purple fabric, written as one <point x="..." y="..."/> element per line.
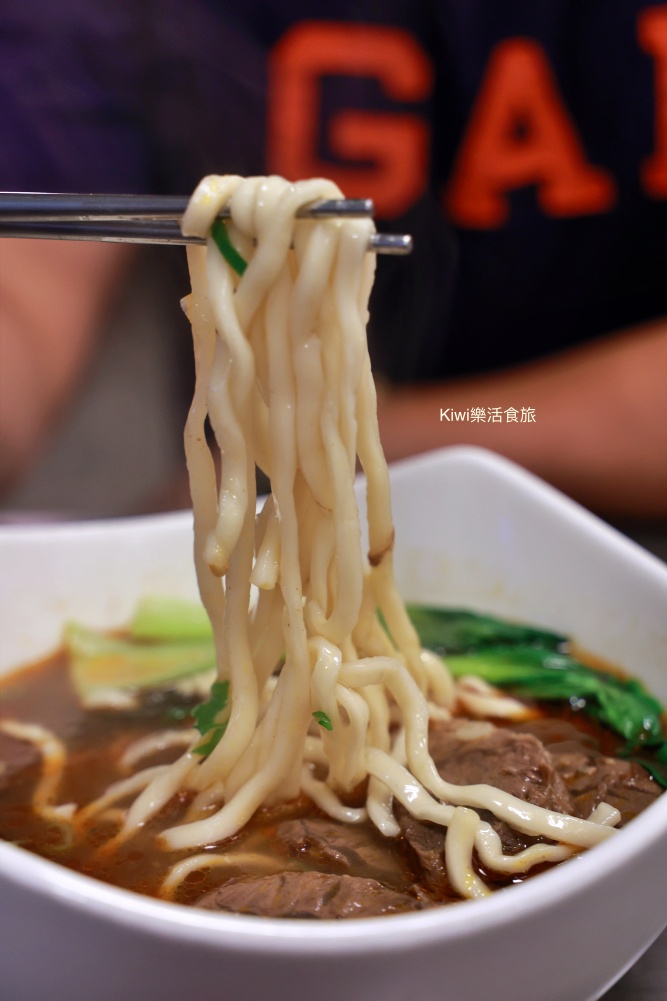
<point x="149" y="95"/>
<point x="125" y="96"/>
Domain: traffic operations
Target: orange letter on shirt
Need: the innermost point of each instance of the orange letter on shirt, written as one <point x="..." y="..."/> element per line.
<point x="520" y="134"/>
<point x="396" y="144"/>
<point x="653" y="39"/>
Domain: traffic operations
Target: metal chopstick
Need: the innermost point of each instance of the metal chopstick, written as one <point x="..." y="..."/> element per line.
<point x="145" y="218"/>
<point x="153" y="231"/>
<point x="56" y="206"/>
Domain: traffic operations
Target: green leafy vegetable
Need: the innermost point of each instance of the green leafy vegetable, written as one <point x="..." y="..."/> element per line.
<point x="168" y="619"/>
<point x="323" y="719"/>
<point x="227" y="248"/>
<point x="448" y="630"/>
<point x="207" y="717"/>
<point x="100" y="663"/>
<point x="212" y="742"/>
<point x="621" y="703"/>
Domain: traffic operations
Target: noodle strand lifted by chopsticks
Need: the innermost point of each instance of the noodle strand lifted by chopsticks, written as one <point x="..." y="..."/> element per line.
<point x="284" y="377"/>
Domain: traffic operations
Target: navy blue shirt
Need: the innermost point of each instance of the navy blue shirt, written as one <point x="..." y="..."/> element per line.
<point x="149" y="96"/>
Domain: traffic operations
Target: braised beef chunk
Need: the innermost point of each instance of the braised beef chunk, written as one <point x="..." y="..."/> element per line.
<point x="426" y="842"/>
<point x="308" y="895"/>
<point x="15" y="755"/>
<point x="592" y="777"/>
<point x="479" y="753"/>
<point x="515" y="762"/>
<point x="334" y="846"/>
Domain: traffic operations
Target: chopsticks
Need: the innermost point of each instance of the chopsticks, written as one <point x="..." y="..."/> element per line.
<point x="146" y="218"/>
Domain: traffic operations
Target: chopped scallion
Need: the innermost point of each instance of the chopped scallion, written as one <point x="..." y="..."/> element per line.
<point x="227" y="248"/>
<point x="206" y="717"/>
<point x="323" y="719"/>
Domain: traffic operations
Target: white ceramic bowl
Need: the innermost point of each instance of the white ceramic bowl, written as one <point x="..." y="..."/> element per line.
<point x="471" y="530"/>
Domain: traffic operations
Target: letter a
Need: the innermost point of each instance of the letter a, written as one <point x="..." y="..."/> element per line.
<point x="520" y="134"/>
<point x="653" y="39"/>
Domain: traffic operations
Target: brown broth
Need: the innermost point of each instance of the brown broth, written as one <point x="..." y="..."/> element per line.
<point x="96" y="740"/>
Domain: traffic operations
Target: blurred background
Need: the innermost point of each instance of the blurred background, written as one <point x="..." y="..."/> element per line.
<point x="522" y="148"/>
<point x="116" y="446"/>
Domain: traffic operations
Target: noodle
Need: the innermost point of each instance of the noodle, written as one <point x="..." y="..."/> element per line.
<point x="54" y="757"/>
<point x="284" y="377"/>
<point x="283" y="374"/>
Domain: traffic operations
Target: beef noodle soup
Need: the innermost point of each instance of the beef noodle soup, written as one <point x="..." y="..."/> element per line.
<point x="331" y="729"/>
<point x="292" y="859"/>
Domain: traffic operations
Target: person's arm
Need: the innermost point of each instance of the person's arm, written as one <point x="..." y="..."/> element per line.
<point x="600" y="430"/>
<point x="52" y="296"/>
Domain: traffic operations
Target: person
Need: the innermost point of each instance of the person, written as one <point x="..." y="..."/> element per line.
<point x="524" y="148"/>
